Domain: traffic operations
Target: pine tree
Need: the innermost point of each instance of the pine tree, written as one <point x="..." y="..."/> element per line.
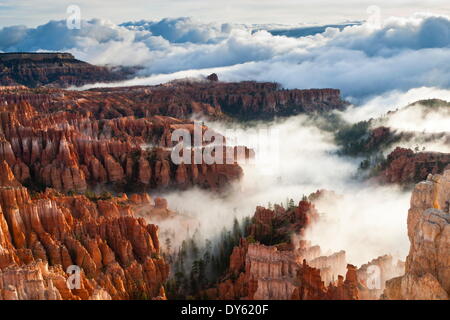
<point x="207" y="254"/>
<point x="236" y="230"/>
<point x="291" y="204"/>
<point x="168" y="244"/>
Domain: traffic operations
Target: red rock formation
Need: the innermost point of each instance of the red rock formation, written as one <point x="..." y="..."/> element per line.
<point x="52" y="69"/>
<point x="311" y="287"/>
<point x="266" y="273"/>
<point x="330" y="266"/>
<point x="182" y="99"/>
<point x="276" y="226"/>
<point x="249" y="100"/>
<point x="275" y="270"/>
<point x="41" y="237"/>
<point x="427" y="274"/>
<point x="71" y="140"/>
<point x="72" y="151"/>
<point x="405" y="166"/>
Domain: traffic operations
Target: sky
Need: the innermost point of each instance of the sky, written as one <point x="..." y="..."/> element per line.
<point x="36" y="12"/>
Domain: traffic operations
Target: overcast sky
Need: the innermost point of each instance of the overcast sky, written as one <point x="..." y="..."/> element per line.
<point x="35" y="12"/>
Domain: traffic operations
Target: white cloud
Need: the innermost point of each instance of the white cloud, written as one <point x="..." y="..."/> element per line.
<point x="361" y="60"/>
<point x="392" y="100"/>
<point x="426" y="127"/>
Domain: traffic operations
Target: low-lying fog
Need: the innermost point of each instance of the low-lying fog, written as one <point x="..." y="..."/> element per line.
<point x="296" y="158"/>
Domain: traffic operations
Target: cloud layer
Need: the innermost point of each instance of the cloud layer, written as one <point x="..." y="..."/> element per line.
<point x="362" y="60"/>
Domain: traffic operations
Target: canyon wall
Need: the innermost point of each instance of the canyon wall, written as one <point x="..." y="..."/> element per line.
<point x="268" y="273"/>
<point x="427" y="273"/>
<point x="240" y="100"/>
<point x="48" y="144"/>
<point x="42" y="235"/>
<point x="254" y="100"/>
<point x="74" y="140"/>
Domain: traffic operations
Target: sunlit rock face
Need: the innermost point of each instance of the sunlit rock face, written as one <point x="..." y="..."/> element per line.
<point x="73" y="140"/>
<point x="42" y="235"/>
<point x="428" y="263"/>
<point x="60" y="139"/>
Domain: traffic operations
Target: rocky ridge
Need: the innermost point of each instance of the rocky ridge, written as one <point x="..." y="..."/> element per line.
<point x="427" y="273"/>
<point x="42" y="235"/>
<point x="53" y="69"/>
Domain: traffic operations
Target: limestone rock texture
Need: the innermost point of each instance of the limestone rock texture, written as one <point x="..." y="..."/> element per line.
<point x="259" y="100"/>
<point x="55" y="138"/>
<point x="427" y="274"/>
<point x="42" y="234"/>
<point x="122" y="137"/>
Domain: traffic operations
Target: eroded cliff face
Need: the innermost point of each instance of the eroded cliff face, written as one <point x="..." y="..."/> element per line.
<point x="268" y="273"/>
<point x="50" y="143"/>
<point x="73" y="140"/>
<point x="42" y="235"/>
<point x="374" y="275"/>
<point x="427" y="273"/>
<point x="276" y="226"/>
<point x="277" y="267"/>
<point x="53" y="69"/>
<point x="404" y="166"/>
<point x="271" y="263"/>
<point x="255" y="100"/>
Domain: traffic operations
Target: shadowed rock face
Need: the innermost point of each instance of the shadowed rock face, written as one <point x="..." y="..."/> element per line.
<point x="241" y="100"/>
<point x="41" y="236"/>
<point x="52" y="69"/>
<point x="427" y="273"/>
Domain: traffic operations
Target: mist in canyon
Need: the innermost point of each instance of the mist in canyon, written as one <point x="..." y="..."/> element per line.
<point x="366" y="220"/>
<point x="405" y="112"/>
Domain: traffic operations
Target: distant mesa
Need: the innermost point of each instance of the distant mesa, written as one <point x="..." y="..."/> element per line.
<point x="54" y="69"/>
<point x="35" y="56"/>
